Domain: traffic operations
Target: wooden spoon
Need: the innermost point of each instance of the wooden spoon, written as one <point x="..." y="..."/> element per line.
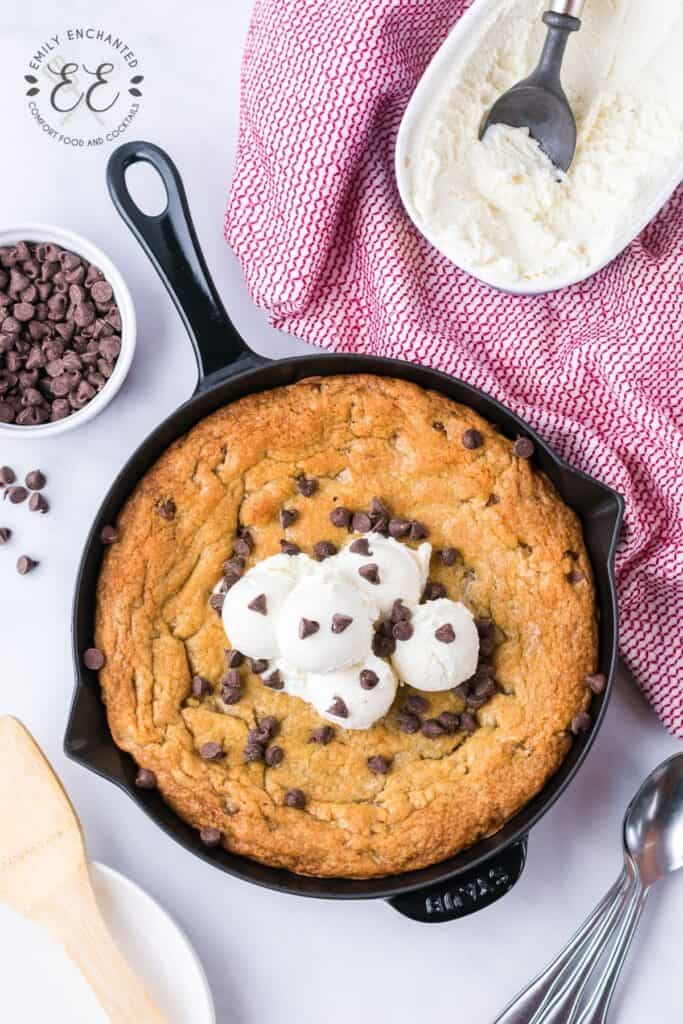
<point x="44" y="875"/>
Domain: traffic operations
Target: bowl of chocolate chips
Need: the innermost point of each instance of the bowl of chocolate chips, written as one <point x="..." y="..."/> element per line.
<point x="67" y="330"/>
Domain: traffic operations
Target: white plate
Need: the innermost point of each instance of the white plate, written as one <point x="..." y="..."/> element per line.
<point x="438" y="70"/>
<point x="39" y="983"/>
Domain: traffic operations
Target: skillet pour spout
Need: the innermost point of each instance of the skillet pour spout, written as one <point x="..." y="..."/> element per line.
<point x="229" y="370"/>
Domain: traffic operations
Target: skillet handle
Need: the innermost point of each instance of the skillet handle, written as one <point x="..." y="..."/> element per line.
<point x="170" y="241"/>
<point x="472" y="890"/>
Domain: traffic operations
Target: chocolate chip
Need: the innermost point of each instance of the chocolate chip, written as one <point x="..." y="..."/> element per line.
<point x="109" y="535"/>
<point x="361" y="547"/>
<point x="244" y="544"/>
<point x="445" y="634"/>
<point x="361" y="522"/>
<point x="210" y="836"/>
<point x="448" y="556"/>
<point x="432" y="728"/>
<point x="472" y="439"/>
<point x="145" y="779"/>
<point x="450" y="721"/>
<point x="575" y="576"/>
<point x="398" y="527"/>
<point x="5" y="534"/>
<point x="416" y="705"/>
<point x="102" y="292"/>
<point x="597" y="682"/>
<point x="288" y="548"/>
<point x="418" y="531"/>
<point x="383" y="646"/>
<point x="433" y="591"/>
<point x="16" y="494"/>
<point x="323" y="735"/>
<point x="368" y="679"/>
<point x="7" y="476"/>
<point x="468" y="722"/>
<point x="274" y="681"/>
<point x="38" y="503"/>
<point x="93" y="658"/>
<point x="378" y="765"/>
<point x="307" y="627"/>
<point x="400" y="612"/>
<point x="306" y="486"/>
<point x="340" y="622"/>
<point x="167" y="509"/>
<point x="288" y="516"/>
<point x="338" y="708"/>
<point x="324" y="549"/>
<point x="274" y="756"/>
<point x="438" y="425"/>
<point x="370" y="572"/>
<point x="231" y="695"/>
<point x="340" y="516"/>
<point x="25" y="565"/>
<point x="580" y="723"/>
<point x="253" y="752"/>
<point x="234" y="658"/>
<point x="295" y="798"/>
<point x="216" y="601"/>
<point x="200" y="686"/>
<point x="231" y="680"/>
<point x="233" y="566"/>
<point x="492" y="499"/>
<point x="258" y="665"/>
<point x="259" y="604"/>
<point x="408" y="722"/>
<point x="403" y="630"/>
<point x="211" y="751"/>
<point x="523" y="448"/>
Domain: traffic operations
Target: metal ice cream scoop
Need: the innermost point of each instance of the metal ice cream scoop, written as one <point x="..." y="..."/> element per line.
<point x="577" y="987"/>
<point x="538" y="102"/>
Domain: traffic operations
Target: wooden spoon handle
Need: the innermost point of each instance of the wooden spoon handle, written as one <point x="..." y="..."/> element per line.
<point x="73" y="918"/>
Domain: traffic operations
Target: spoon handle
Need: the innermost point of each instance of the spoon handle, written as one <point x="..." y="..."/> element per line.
<point x="560" y="984"/>
<point x="574" y="8"/>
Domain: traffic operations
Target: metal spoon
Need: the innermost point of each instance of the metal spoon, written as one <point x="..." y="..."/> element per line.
<point x="538" y="102"/>
<point x="653" y="848"/>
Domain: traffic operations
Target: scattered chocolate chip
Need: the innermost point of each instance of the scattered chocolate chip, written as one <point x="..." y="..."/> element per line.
<point x="16" y="494"/>
<point x="416" y="705"/>
<point x="432" y="728"/>
<point x="403" y="630"/>
<point x="35" y="480"/>
<point x="211" y="751"/>
<point x="378" y="765"/>
<point x="38" y="503"/>
<point x="418" y="531"/>
<point x="408" y="722"/>
<point x="338" y="708"/>
<point x="433" y="591"/>
<point x="289" y="548"/>
<point x="378" y="508"/>
<point x="370" y="572"/>
<point x="307" y="627"/>
<point x="232" y="679"/>
<point x="340" y="622"/>
<point x="492" y="499"/>
<point x="324" y="549"/>
<point x="306" y="486"/>
<point x="258" y="665"/>
<point x="368" y="679"/>
<point x="523" y="448"/>
<point x="231" y="695"/>
<point x="167" y="509"/>
<point x="200" y="686"/>
<point x="209" y="836"/>
<point x="385" y="627"/>
<point x="145" y="779"/>
<point x="383" y="646"/>
<point x="438" y="425"/>
<point x="7" y="476"/>
<point x="234" y="658"/>
<point x="5" y="534"/>
<point x="400" y="612"/>
<point x="597" y="682"/>
<point x="93" y="658"/>
<point x="274" y="756"/>
<point x="109" y="535"/>
<point x="233" y="566"/>
<point x="340" y="516"/>
<point x="259" y="604"/>
<point x="448" y="556"/>
<point x="468" y="722"/>
<point x="216" y="601"/>
<point x="445" y="634"/>
<point x="274" y="681"/>
<point x="575" y="576"/>
<point x="323" y="735"/>
<point x="398" y="527"/>
<point x="361" y="522"/>
<point x="243" y="544"/>
<point x="472" y="439"/>
<point x="295" y="798"/>
<point x="288" y="516"/>
<point x="580" y="723"/>
<point x="361" y="547"/>
<point x="254" y="752"/>
<point x="450" y="721"/>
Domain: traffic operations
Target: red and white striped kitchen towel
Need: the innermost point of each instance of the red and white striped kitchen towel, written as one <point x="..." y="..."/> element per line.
<point x="326" y="247"/>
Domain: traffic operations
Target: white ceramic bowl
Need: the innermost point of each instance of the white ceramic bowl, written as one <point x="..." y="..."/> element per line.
<point x="82" y="247"/>
<point x="457" y="43"/>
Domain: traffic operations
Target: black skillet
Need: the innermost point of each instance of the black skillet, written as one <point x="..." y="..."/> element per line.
<point x="228" y="369"/>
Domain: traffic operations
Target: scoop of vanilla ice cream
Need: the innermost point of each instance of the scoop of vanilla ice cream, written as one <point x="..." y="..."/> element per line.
<point x="252" y="632"/>
<point x="363" y="707"/>
<point x="427" y="663"/>
<point x="313" y="630"/>
<point x="402" y="570"/>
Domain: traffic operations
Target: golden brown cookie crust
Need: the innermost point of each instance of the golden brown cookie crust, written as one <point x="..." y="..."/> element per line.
<point x="358" y="436"/>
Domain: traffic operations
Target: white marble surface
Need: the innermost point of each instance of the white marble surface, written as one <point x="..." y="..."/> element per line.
<point x="268" y="957"/>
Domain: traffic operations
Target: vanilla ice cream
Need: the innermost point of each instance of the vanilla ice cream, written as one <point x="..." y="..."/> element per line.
<point x="401" y="571"/>
<point x="498" y="207"/>
<point x="339" y="697"/>
<point x="443" y="650"/>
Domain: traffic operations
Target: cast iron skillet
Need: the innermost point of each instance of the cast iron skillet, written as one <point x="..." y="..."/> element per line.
<point x="228" y="369"/>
